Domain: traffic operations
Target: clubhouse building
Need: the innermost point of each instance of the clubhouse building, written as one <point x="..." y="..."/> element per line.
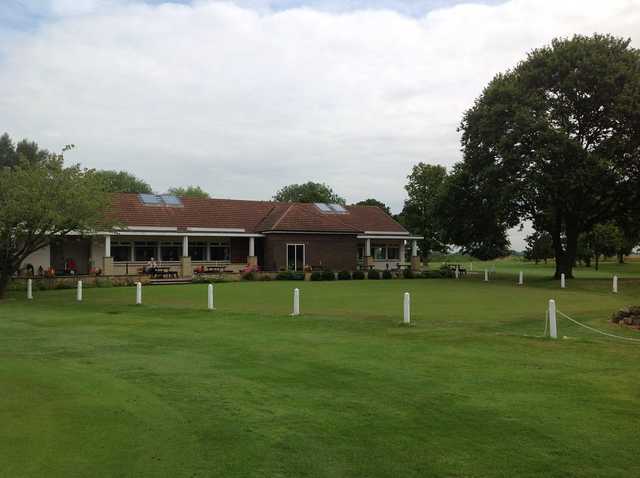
<point x="190" y="234"/>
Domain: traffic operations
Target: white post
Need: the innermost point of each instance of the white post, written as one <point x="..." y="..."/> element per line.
<point x="185" y="246"/>
<point x="29" y="289"/>
<point x="402" y="252"/>
<point x="521" y="278"/>
<point x="562" y="281"/>
<point x="414" y="248"/>
<point x="252" y="247"/>
<point x="553" y="328"/>
<point x="457" y="272"/>
<point x="615" y="284"/>
<point x="296" y="301"/>
<point x="367" y="247"/>
<point x="138" y="293"/>
<point x="406" y="318"/>
<point x="486" y="275"/>
<point x="210" y="297"/>
<point x="107" y="246"/>
<point x="79" y="292"/>
<point x="471" y="267"/>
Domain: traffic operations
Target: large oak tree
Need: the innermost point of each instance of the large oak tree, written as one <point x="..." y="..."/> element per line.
<point x="557" y="140"/>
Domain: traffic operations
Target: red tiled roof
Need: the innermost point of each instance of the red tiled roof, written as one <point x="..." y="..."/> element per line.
<point x="252" y="216"/>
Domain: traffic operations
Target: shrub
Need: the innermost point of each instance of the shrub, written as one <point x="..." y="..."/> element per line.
<point x="431" y="275"/>
<point x="284" y="275"/>
<point x="316" y="276"/>
<point x="386" y="274"/>
<point x="265" y="278"/>
<point x="344" y="275"/>
<point x="358" y="275"/>
<point x="373" y="274"/>
<point x="104" y="282"/>
<point x="328" y="275"/>
<point x="297" y="276"/>
<point x="250" y="275"/>
<point x="408" y="274"/>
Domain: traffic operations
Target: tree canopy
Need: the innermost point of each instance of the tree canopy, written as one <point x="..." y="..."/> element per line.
<point x="121" y="182"/>
<point x="555" y="141"/>
<point x="419" y="213"/>
<point x="25" y="150"/>
<point x="189" y="191"/>
<point x="41" y="201"/>
<point x="308" y="192"/>
<point x="376" y="203"/>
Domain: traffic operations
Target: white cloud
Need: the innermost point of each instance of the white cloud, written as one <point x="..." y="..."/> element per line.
<point x="243" y="101"/>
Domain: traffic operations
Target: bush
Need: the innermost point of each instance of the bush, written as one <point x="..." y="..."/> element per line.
<point x="328" y="275"/>
<point x="431" y="275"/>
<point x="284" y="275"/>
<point x="373" y="274"/>
<point x="358" y="275"/>
<point x="265" y="278"/>
<point x="386" y="274"/>
<point x="316" y="276"/>
<point x="251" y="276"/>
<point x="445" y="271"/>
<point x="408" y="274"/>
<point x="105" y="282"/>
<point x="344" y="275"/>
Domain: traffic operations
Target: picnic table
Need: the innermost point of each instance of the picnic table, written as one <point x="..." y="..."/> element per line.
<point x="161" y="272"/>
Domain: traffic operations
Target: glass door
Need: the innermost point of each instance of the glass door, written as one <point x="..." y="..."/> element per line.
<point x="295" y="257"/>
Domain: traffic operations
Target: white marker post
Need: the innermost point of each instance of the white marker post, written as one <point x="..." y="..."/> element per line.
<point x="296" y="302"/>
<point x="471" y="267"/>
<point x="553" y="328"/>
<point x="615" y="284"/>
<point x="29" y="289"/>
<point x="210" y="305"/>
<point x="138" y="293"/>
<point x="406" y="317"/>
<point x="562" y="281"/>
<point x="457" y="272"/>
<point x="521" y="278"/>
<point x="486" y="275"/>
<point x="79" y="292"/>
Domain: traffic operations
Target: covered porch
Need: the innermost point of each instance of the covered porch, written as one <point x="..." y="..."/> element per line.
<point x="176" y="253"/>
<point x="388" y="251"/>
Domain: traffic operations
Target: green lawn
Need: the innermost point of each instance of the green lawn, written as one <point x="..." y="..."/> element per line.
<point x="106" y="388"/>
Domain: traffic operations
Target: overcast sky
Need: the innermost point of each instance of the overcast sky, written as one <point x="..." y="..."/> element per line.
<point x="245" y="97"/>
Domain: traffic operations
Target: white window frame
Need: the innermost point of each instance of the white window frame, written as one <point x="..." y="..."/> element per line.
<point x="304" y="255"/>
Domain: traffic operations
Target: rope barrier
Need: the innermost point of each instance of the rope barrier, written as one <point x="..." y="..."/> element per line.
<point x="593" y="329"/>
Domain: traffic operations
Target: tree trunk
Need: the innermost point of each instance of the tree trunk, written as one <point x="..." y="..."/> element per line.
<point x="4" y="283"/>
<point x="597" y="260"/>
<point x="565" y="257"/>
<point x="620" y="257"/>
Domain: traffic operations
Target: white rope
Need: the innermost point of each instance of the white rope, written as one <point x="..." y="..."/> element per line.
<point x="596" y="330"/>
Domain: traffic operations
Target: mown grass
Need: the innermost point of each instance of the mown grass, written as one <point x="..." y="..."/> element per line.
<point x="107" y="388"/>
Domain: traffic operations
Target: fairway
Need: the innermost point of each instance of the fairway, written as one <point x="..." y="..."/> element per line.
<point x="105" y="388"/>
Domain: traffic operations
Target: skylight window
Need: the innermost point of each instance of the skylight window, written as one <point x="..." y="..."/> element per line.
<point x="159" y="200"/>
<point x="331" y="208"/>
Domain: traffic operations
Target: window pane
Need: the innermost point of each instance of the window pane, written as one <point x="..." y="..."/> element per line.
<point x="170" y="252"/>
<point x="220" y="253"/>
<point x="393" y="253"/>
<point x="379" y="253"/>
<point x="198" y="252"/>
<point x="300" y="258"/>
<point x="144" y="253"/>
<point x="121" y="253"/>
<point x="291" y="257"/>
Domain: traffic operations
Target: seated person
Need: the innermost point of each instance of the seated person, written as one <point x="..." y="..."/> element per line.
<point x="71" y="266"/>
<point x="151" y="266"/>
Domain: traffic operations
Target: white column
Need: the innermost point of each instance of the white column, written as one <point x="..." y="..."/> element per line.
<point x="210" y="305"/>
<point x="367" y="247"/>
<point x="29" y="289"/>
<point x="486" y="275"/>
<point x="615" y="284"/>
<point x="553" y="328"/>
<point x="406" y="316"/>
<point x="457" y="272"/>
<point x="252" y="246"/>
<point x="185" y="246"/>
<point x="402" y="253"/>
<point x="79" y="292"/>
<point x="414" y="248"/>
<point x="563" y="283"/>
<point x="107" y="246"/>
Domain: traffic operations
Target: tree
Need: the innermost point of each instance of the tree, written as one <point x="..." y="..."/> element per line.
<point x="419" y="212"/>
<point x="122" y="182"/>
<point x="8" y="155"/>
<point x="25" y="150"/>
<point x="308" y="192"/>
<point x="557" y="140"/>
<point x="43" y="201"/>
<point x="604" y="240"/>
<point x="376" y="203"/>
<point x="189" y="191"/>
<point x="539" y="247"/>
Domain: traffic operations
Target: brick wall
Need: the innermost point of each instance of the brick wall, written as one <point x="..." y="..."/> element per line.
<point x="332" y="251"/>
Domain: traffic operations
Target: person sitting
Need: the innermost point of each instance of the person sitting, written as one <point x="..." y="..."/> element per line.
<point x="71" y="266"/>
<point x="151" y="266"/>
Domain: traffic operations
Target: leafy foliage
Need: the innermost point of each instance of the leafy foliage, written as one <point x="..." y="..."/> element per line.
<point x="555" y="141"/>
<point x="376" y="203"/>
<point x="122" y="182"/>
<point x="539" y="247"/>
<point x="308" y="192"/>
<point x="189" y="191"/>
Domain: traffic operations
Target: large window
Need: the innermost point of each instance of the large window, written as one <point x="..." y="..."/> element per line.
<point x="393" y="253"/>
<point x="383" y="252"/>
<point x="220" y="251"/>
<point x="295" y="257"/>
<point x="121" y="251"/>
<point x="170" y="251"/>
<point x="198" y="251"/>
<point x="145" y="250"/>
<point x="379" y="253"/>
